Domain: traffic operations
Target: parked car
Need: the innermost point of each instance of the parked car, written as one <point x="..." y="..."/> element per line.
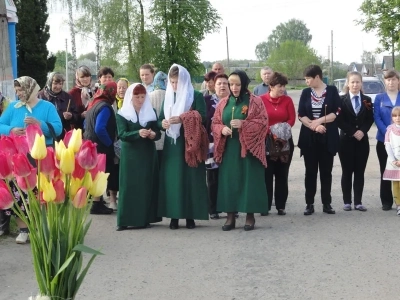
<point x="371" y="86"/>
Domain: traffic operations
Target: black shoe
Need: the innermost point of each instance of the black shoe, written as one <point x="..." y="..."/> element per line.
<point x="236" y="215"/>
<point x="386" y="207"/>
<point x="102" y="200"/>
<point x="174" y="224"/>
<point x="327" y="208"/>
<point x="190" y="224"/>
<point x="214" y="216"/>
<point x="229" y="227"/>
<point x="281" y="212"/>
<point x="249" y="227"/>
<point x="264" y="214"/>
<point x="100" y="209"/>
<point x="120" y="228"/>
<point x="309" y="209"/>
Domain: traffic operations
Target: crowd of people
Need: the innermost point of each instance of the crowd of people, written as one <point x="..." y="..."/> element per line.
<point x="175" y="152"/>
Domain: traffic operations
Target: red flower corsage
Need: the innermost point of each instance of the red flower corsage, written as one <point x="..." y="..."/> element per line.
<point x="244" y="109"/>
<point x="367" y="104"/>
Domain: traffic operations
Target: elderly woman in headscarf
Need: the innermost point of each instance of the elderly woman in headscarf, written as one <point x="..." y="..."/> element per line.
<point x="239" y="128"/>
<point x="137" y="130"/>
<point x="101" y="128"/>
<point x="63" y="102"/>
<point x="157" y="98"/>
<point x="82" y="93"/>
<point x="122" y="85"/>
<point x="29" y="109"/>
<point x="183" y="190"/>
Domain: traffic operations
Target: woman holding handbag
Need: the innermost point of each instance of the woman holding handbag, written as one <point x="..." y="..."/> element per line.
<point x="281" y="117"/>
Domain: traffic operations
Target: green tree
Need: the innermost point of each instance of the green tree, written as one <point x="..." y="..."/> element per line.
<point x="292" y="58"/>
<point x="181" y="26"/>
<point x="262" y="51"/>
<point x="32" y="35"/>
<point x="292" y="30"/>
<point x="60" y="61"/>
<point x="383" y="17"/>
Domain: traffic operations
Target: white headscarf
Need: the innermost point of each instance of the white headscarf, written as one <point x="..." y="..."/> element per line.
<point x="127" y="110"/>
<point x="184" y="99"/>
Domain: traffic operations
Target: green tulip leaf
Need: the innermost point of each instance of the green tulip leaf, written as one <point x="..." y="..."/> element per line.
<point x="86" y="249"/>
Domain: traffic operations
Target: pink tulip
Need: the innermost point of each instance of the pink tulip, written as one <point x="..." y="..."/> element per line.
<point x="7" y="145"/>
<point x="79" y="172"/>
<point x="100" y="167"/>
<point x="6" y="199"/>
<point x="5" y="166"/>
<point x="67" y="137"/>
<point x="22" y="166"/>
<point x="60" y="191"/>
<point x="27" y="183"/>
<point x="48" y="164"/>
<point x="80" y="199"/>
<point x="31" y="131"/>
<point x="87" y="155"/>
<point x="20" y="143"/>
<point x="3" y="184"/>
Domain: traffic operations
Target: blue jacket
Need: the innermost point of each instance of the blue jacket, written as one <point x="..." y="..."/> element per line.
<point x="383" y="114"/>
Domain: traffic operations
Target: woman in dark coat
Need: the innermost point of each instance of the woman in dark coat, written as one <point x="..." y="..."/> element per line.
<point x="319" y="136"/>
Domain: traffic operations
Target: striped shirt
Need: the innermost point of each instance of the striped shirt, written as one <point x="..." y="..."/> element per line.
<point x="316" y="103"/>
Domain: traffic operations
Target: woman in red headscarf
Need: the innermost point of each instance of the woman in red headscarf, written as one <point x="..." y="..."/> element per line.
<point x="101" y="128"/>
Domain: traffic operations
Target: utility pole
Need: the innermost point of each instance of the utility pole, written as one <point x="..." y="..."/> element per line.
<point x="331" y="56"/>
<point x="66" y="64"/>
<point x="227" y="47"/>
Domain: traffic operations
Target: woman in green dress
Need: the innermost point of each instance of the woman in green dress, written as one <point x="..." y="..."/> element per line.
<point x="183" y="190"/>
<point x="138" y="175"/>
<point x="239" y="129"/>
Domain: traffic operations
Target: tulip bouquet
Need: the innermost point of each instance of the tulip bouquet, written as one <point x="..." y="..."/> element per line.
<point x="58" y="184"/>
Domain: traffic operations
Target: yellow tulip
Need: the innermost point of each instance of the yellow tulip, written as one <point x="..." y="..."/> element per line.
<point x="39" y="150"/>
<point x="99" y="185"/>
<point x="75" y="185"/>
<point x="60" y="147"/>
<point x="75" y="142"/>
<point x="49" y="193"/>
<point x="67" y="161"/>
<point x="87" y="181"/>
<point x="41" y="181"/>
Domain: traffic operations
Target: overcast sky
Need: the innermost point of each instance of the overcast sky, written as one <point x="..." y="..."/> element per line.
<point x="250" y="22"/>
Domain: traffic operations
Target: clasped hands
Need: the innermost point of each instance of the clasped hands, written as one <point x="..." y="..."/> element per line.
<point x="173" y="120"/>
<point x="27" y="121"/>
<point x="235" y="123"/>
<point x="315" y="125"/>
<point x="147" y="133"/>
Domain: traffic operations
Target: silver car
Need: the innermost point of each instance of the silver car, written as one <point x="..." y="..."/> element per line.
<point x="371" y="86"/>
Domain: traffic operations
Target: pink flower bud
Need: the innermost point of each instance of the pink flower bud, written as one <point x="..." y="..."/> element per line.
<point x="80" y="199"/>
<point x="6" y="199"/>
<point x="87" y="155"/>
<point x="5" y="166"/>
<point x="31" y="131"/>
<point x="22" y="166"/>
<point x="27" y="183"/>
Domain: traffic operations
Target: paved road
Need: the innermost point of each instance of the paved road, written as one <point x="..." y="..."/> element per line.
<point x="350" y="255"/>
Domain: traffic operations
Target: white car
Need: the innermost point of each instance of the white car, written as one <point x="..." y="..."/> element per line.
<point x="371" y="86"/>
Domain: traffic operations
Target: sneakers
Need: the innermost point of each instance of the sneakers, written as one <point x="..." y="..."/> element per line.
<point x="113" y="206"/>
<point x="99" y="208"/>
<point x="214" y="216"/>
<point x="22" y="238"/>
<point x="360" y="207"/>
<point x="347" y="207"/>
<point x="398" y="210"/>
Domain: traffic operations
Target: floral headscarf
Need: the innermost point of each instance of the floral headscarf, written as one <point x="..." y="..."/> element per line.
<point x="31" y="89"/>
<point x="160" y="81"/>
<point x="47" y="89"/>
<point x="86" y="91"/>
<point x="106" y="93"/>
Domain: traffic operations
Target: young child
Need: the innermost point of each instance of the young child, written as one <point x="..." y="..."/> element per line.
<point x="392" y="145"/>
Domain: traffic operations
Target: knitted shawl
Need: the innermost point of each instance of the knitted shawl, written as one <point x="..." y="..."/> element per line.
<point x="196" y="138"/>
<point x="252" y="134"/>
